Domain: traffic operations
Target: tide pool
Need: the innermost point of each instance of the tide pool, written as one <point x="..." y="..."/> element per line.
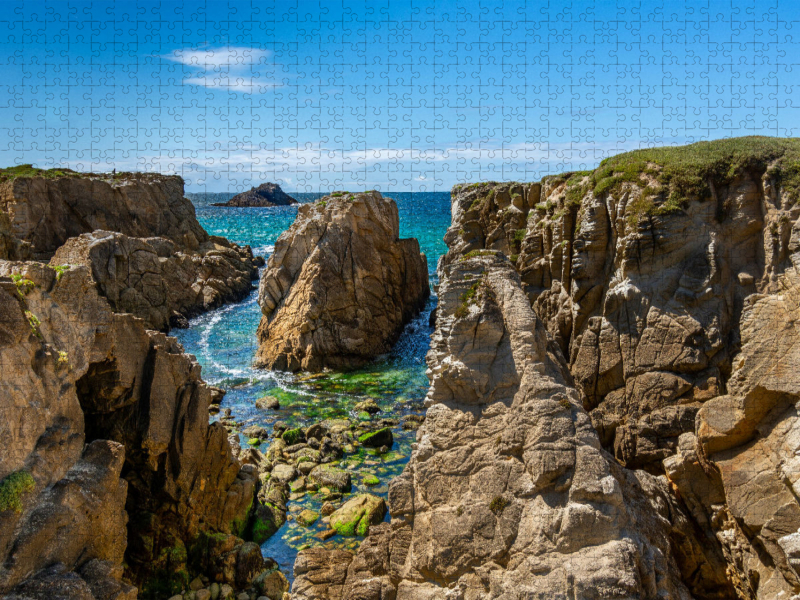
<point x="224" y="342"/>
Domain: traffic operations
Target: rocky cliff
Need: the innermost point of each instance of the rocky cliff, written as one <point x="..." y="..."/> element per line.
<point x="76" y="373"/>
<point x="112" y="482"/>
<point x="138" y="234"/>
<point x="340" y="285"/>
<point x="613" y="397"/>
<point x="265" y="195"/>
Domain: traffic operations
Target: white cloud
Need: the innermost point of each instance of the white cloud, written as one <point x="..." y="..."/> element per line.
<point x="232" y="57"/>
<point x="228" y="68"/>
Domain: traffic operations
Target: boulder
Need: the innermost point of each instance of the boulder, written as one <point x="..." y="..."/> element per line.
<point x="356" y="515"/>
<point x="331" y="478"/>
<point x="340" y="285"/>
<point x="376" y="439"/>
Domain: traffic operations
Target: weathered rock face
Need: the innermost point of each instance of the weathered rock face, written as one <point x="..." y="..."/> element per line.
<point x="508" y="493"/>
<point x="151" y="279"/>
<point x="137" y="233"/>
<point x="643" y="296"/>
<point x="47" y="212"/>
<point x="340" y="285"/>
<point x="265" y="195"/>
<point x="74" y="372"/>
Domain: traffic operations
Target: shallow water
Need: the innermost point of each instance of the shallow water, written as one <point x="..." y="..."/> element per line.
<point x="224" y="342"/>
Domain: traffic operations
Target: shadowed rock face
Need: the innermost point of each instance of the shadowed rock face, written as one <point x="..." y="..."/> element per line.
<point x="74" y="372"/>
<point x="265" y="195"/>
<point x="340" y="285"/>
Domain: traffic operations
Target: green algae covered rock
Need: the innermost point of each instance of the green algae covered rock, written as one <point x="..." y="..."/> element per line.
<point x="293" y="436"/>
<point x="357" y="514"/>
<point x="376" y="439"/>
<point x="307" y="517"/>
<point x="371" y="480"/>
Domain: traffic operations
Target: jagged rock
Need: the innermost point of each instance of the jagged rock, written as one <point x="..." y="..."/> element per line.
<point x="102" y="378"/>
<point x="155" y="281"/>
<point x="340" y="285"/>
<point x="265" y="195"/>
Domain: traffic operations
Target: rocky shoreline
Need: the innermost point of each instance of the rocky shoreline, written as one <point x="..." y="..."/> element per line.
<point x="611" y="411"/>
<point x="613" y="398"/>
<point x="112" y="478"/>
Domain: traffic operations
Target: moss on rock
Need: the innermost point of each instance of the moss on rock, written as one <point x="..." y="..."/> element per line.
<point x="12" y="488"/>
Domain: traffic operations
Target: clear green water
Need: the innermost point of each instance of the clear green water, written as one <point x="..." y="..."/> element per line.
<point x="224" y="342"/>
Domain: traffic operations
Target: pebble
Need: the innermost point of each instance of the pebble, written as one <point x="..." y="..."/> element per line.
<point x="203" y="594"/>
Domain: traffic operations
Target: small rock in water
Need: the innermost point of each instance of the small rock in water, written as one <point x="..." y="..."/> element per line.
<point x="376" y="439"/>
<point x="369" y="406"/>
<point x="280" y="427"/>
<point x="356" y="515"/>
<point x="268" y="402"/>
<point x="256" y="431"/>
<point x="214" y="589"/>
<point x="371" y="480"/>
<point x="203" y="594"/>
<point x="325" y="535"/>
<point x="327" y="508"/>
<point x="307" y="517"/>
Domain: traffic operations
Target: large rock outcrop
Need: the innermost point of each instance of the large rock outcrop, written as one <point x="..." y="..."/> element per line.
<point x="668" y="279"/>
<point x="137" y="233"/>
<point x="340" y="285"/>
<point x="76" y="373"/>
<point x="508" y="493"/>
<point x="265" y="195"/>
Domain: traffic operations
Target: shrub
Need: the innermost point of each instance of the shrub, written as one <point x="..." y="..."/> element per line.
<point x="12" y="487"/>
<point x="498" y="504"/>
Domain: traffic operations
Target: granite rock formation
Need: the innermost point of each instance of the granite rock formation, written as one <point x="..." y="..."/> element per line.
<point x="138" y="234"/>
<point x="616" y="349"/>
<point x="265" y="195"/>
<point x="152" y="279"/>
<point x="340" y="285"/>
<point x="77" y="373"/>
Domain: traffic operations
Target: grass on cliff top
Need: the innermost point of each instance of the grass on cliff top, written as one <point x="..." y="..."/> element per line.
<point x="685" y="171"/>
<point x="11" y="173"/>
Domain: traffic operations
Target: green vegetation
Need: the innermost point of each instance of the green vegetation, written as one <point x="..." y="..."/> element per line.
<point x="371" y="480"/>
<point x="513" y="258"/>
<point x="323" y="203"/>
<point x="60" y="270"/>
<point x="63" y="358"/>
<point x="292" y="436"/>
<point x="477" y="253"/>
<point x="519" y="235"/>
<point x="12" y="487"/>
<point x="24" y="286"/>
<point x="254" y="442"/>
<point x="477" y="202"/>
<point x="11" y="173"/>
<point x="467" y="298"/>
<point x="565" y="403"/>
<point x="498" y="504"/>
<point x="34" y="322"/>
<point x="684" y="172"/>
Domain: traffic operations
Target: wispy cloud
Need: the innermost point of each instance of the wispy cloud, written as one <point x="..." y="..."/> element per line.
<point x="230" y="68"/>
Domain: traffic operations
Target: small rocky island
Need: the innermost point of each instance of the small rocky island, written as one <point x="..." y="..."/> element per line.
<point x="265" y="195"/>
<point x="340" y="286"/>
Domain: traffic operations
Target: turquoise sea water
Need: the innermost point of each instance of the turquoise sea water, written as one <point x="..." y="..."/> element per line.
<point x="224" y="342"/>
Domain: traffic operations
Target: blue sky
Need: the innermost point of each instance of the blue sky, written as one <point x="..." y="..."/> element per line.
<point x="393" y="95"/>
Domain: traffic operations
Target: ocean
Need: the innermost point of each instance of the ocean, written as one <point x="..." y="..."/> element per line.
<point x="224" y="342"/>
